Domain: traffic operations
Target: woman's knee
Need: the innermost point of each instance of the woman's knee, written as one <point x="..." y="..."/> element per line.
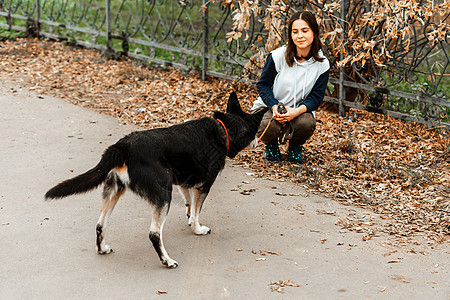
<point x="304" y="127"/>
<point x="305" y="122"/>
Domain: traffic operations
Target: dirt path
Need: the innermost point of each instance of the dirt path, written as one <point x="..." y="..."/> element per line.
<point x="277" y="235"/>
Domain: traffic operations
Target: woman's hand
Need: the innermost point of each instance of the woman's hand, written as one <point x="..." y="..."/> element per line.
<point x="276" y="115"/>
<point x="289" y="115"/>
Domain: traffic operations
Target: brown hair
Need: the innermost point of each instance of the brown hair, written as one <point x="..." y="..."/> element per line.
<point x="291" y="49"/>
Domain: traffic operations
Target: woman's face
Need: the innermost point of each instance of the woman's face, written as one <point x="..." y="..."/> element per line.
<point x="303" y="37"/>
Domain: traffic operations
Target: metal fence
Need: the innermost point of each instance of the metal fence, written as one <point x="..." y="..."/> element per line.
<point x="192" y="35"/>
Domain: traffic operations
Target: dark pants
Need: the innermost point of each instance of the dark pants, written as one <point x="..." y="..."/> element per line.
<point x="303" y="126"/>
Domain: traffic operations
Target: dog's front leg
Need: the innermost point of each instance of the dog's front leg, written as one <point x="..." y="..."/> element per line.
<point x="156" y="237"/>
<point x="196" y="207"/>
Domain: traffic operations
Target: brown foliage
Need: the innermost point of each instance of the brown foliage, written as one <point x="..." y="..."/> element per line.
<point x="381" y="32"/>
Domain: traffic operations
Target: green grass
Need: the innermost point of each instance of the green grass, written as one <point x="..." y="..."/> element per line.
<point x="6" y="34"/>
<point x="421" y="85"/>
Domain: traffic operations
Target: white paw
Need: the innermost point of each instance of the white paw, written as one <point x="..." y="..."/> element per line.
<point x="106" y="250"/>
<point x="202" y="230"/>
<point x="170" y="263"/>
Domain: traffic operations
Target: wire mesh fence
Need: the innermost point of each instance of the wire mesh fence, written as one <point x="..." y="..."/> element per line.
<point x="411" y="81"/>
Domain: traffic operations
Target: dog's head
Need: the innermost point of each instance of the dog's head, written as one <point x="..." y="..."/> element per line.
<point x="241" y="126"/>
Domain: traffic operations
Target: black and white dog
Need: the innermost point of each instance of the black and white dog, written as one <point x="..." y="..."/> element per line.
<point x="150" y="162"/>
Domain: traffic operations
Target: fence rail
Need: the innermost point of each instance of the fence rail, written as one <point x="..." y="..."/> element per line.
<point x="192" y="35"/>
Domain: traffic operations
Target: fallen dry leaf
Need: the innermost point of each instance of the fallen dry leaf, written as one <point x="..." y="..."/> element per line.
<point x="393" y="261"/>
<point x="279" y="285"/>
<point x="325" y="212"/>
<point x="248" y="192"/>
<point x="367" y="237"/>
<point x="272" y="252"/>
<point x="281" y="194"/>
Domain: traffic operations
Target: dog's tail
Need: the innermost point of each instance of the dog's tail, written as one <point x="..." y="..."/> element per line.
<point x="113" y="157"/>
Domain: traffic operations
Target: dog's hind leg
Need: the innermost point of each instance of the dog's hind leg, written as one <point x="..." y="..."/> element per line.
<point x="187" y="199"/>
<point x="158" y="219"/>
<point x="113" y="189"/>
<point x="199" y="198"/>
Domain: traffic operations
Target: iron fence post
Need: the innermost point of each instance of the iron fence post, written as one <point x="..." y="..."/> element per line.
<point x="343" y="22"/>
<point x="205" y="39"/>
<point x="108" y="26"/>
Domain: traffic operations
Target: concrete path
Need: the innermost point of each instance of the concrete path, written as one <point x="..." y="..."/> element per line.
<point x="47" y="248"/>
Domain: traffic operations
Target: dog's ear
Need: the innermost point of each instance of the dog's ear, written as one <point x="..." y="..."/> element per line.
<point x="233" y="105"/>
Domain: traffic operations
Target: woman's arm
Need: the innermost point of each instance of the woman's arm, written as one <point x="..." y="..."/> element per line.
<point x="265" y="82"/>
<point x="315" y="97"/>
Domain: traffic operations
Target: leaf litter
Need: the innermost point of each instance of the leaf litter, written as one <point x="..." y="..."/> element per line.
<point x="398" y="170"/>
<point x="278" y="286"/>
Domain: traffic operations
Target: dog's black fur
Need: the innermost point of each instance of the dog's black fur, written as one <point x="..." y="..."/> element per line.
<point x="150" y="162"/>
